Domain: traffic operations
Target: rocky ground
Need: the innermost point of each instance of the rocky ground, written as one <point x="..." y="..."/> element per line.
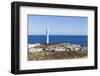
<point x="42" y="55"/>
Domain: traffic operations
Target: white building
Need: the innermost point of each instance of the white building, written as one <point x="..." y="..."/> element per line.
<point x="35" y="49"/>
<point x="55" y="49"/>
<point x="77" y="49"/>
<point x="59" y="49"/>
<point x="32" y="49"/>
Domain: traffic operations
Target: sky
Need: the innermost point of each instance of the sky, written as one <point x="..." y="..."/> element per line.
<point x="57" y="25"/>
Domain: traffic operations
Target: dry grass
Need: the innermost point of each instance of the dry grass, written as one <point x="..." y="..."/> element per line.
<point x="56" y="55"/>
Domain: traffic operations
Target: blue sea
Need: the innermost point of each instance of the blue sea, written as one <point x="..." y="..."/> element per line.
<point x="81" y="40"/>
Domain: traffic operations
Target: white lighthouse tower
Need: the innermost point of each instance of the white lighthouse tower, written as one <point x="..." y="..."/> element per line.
<point x="47" y="36"/>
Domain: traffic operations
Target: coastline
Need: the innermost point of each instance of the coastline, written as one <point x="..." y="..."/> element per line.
<point x="39" y="51"/>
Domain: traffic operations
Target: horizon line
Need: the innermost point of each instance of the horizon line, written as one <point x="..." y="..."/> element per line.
<point x="59" y="34"/>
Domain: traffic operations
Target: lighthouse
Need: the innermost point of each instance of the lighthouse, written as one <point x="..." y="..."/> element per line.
<point x="47" y="36"/>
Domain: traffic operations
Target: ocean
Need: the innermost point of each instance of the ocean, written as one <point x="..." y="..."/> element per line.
<point x="80" y="40"/>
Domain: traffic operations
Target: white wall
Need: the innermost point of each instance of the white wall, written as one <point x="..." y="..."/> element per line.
<point x="5" y="41"/>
